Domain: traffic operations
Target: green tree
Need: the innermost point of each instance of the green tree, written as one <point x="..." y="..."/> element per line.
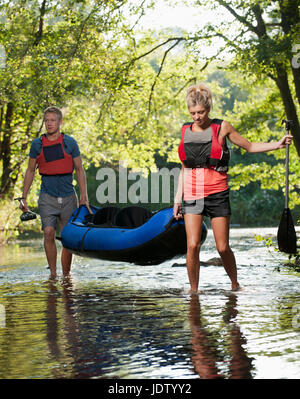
<point x="122" y="89"/>
<point x="52" y="51"/>
<point x="264" y="44"/>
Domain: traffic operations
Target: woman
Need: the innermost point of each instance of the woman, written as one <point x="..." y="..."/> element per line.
<point x="203" y="180"/>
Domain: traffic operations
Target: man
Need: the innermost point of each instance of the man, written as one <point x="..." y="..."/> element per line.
<point x="56" y="155"/>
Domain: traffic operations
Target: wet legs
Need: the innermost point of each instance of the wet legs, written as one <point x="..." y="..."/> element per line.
<point x="193" y="226"/>
<point x="220" y="226"/>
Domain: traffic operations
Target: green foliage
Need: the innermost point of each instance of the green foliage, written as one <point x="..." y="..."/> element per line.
<point x="293" y="261"/>
<point x="53" y="52"/>
<point x="11" y="225"/>
<point x="259" y="119"/>
<point x="122" y="93"/>
<point x="137" y="121"/>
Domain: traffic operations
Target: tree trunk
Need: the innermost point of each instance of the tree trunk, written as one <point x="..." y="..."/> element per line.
<point x="289" y="105"/>
<point x="289" y="11"/>
<point x="296" y="74"/>
<point x="5" y="183"/>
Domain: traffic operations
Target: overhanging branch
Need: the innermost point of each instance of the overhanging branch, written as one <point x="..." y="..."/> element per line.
<point x="158" y="73"/>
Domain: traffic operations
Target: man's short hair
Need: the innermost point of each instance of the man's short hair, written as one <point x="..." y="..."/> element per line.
<point x="55" y="110"/>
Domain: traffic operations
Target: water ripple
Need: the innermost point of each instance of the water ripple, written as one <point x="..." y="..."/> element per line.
<point x="116" y="320"/>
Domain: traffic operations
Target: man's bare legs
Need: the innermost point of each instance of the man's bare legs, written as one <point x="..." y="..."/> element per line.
<point x="66" y="257"/>
<point x="51" y="253"/>
<point x="50" y="249"/>
<point x="66" y="261"/>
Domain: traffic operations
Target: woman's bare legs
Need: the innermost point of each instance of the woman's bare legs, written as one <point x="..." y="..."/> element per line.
<point x="193" y="227"/>
<point x="220" y="226"/>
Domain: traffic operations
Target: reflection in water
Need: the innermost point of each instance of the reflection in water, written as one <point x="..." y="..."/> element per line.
<point x="98" y="333"/>
<point x="62" y="329"/>
<point x="240" y="364"/>
<point x="125" y="321"/>
<point x="206" y="351"/>
<point x="52" y="321"/>
<point x="61" y="324"/>
<point x="91" y="352"/>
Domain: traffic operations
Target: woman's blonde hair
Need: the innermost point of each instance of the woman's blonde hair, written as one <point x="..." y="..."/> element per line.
<point x="199" y="94"/>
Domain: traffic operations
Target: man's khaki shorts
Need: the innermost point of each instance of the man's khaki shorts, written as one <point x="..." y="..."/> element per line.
<point x="52" y="208"/>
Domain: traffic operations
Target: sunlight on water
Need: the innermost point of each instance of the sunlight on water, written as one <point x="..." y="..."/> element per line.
<point x="116" y="320"/>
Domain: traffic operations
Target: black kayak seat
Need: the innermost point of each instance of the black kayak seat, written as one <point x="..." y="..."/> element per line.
<point x="132" y="217"/>
<point x="128" y="217"/>
<point x="105" y="216"/>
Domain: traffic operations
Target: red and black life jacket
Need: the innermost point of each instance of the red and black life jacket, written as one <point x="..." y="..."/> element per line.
<point x="213" y="154"/>
<point x="53" y="159"/>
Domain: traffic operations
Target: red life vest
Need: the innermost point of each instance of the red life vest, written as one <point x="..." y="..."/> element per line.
<point x="53" y="159"/>
<point x="216" y="155"/>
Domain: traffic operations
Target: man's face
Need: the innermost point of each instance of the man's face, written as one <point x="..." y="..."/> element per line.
<point x="52" y="123"/>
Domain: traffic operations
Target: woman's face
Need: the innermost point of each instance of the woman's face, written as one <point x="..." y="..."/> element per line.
<point x="200" y="115"/>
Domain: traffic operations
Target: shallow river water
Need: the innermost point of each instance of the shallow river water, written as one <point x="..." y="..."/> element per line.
<point x="118" y="320"/>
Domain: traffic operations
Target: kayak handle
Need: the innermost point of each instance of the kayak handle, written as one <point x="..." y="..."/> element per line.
<point x="169" y="222"/>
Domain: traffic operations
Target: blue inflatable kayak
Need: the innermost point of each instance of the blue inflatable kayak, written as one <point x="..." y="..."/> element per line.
<point x="132" y="234"/>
